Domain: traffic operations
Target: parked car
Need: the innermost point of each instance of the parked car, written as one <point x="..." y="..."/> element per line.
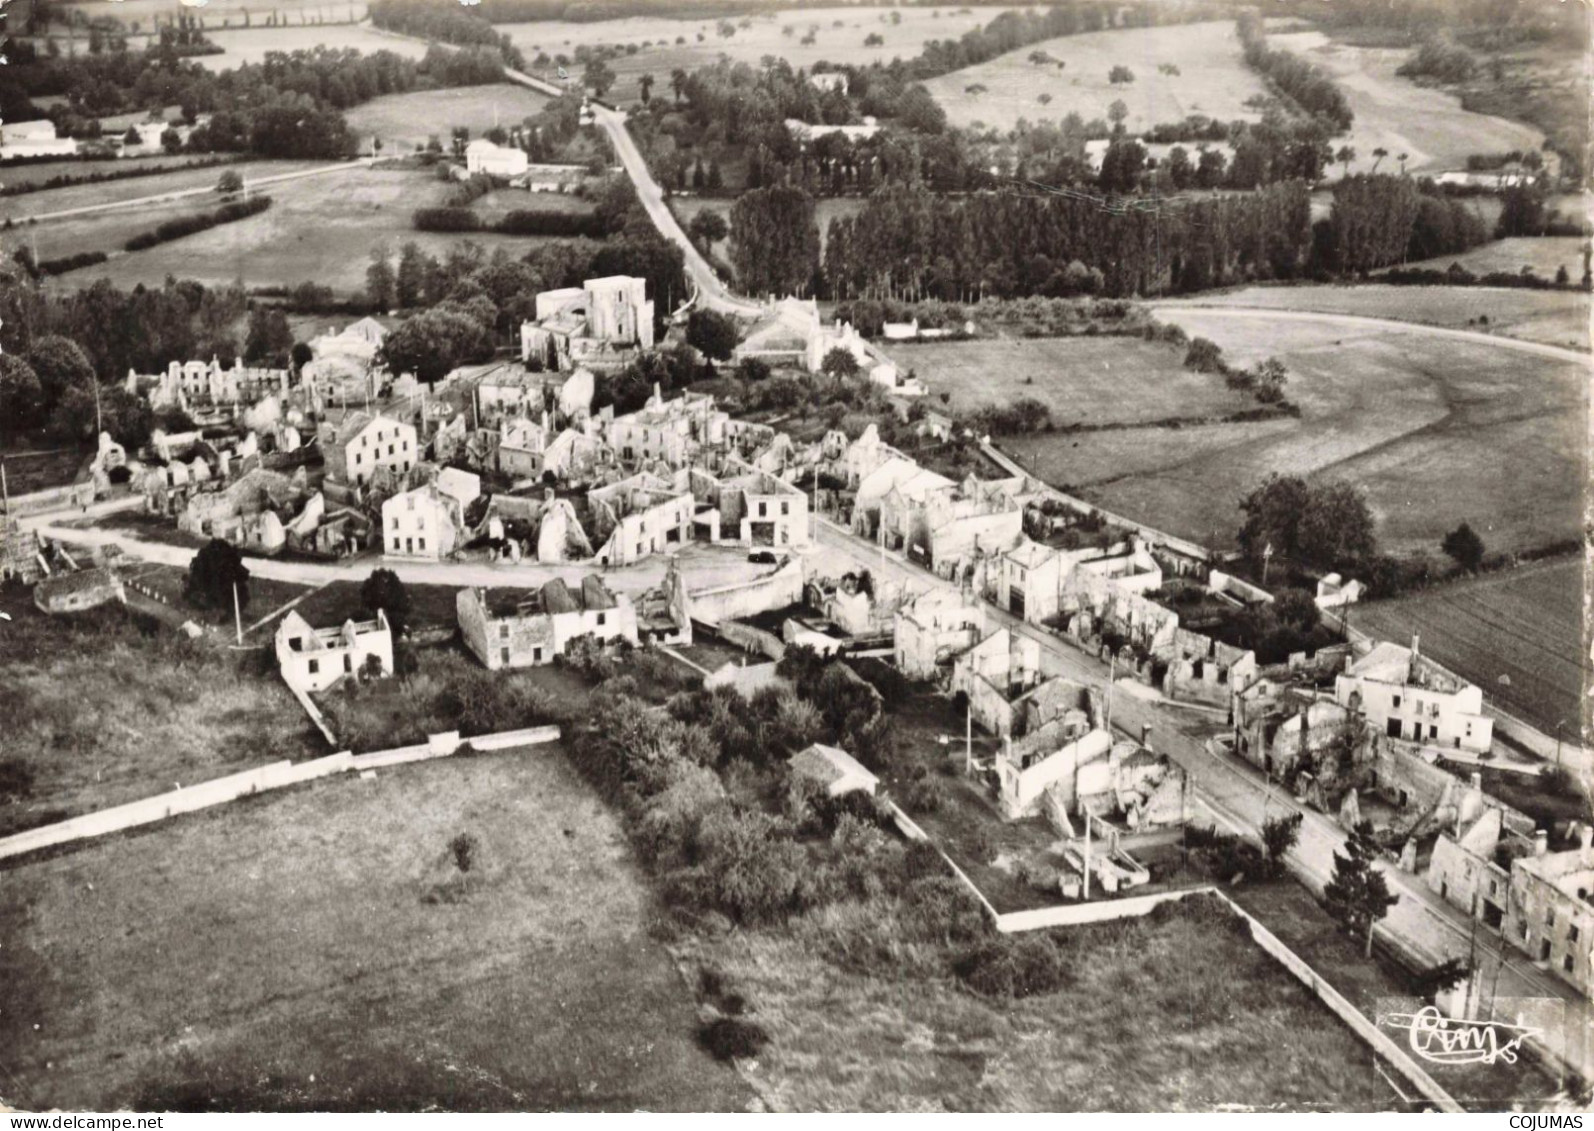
<point x="763" y="557"/>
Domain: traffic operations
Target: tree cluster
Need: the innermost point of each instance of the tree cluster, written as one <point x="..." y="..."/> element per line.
<point x="448" y="23"/>
<point x="910" y="244"/>
<point x="1306" y="85"/>
<point x="1326" y="525"/>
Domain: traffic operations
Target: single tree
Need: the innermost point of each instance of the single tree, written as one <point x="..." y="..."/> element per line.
<point x="1120" y="74"/>
<point x="708" y="227"/>
<point x="840" y="364"/>
<point x="713" y="333"/>
<point x="216" y="573"/>
<point x="300" y="355"/>
<point x="1345" y="154"/>
<point x="383" y="590"/>
<point x="381" y="285"/>
<point x="269" y="339"/>
<point x="1358" y="894"/>
<point x="1279" y="835"/>
<point x="645" y="83"/>
<point x="598" y="77"/>
<point x="1378" y="155"/>
<point x="231" y="183"/>
<point x="1464" y="547"/>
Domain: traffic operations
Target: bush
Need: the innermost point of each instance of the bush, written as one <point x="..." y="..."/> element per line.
<point x="1013" y="966"/>
<point x="464" y="848"/>
<point x="733" y="1038"/>
<point x="71" y="262"/>
<point x="188" y="225"/>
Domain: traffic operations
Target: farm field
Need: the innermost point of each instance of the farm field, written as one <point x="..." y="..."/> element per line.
<point x="407" y="121"/>
<point x="765" y="35"/>
<point x="1524" y="624"/>
<point x="1435" y="430"/>
<point x="319" y="229"/>
<point x="1556" y="318"/>
<point x="318" y="949"/>
<point x="1090" y="381"/>
<point x="1213" y="79"/>
<point x="136" y="188"/>
<point x="232" y="11"/>
<point x="1542" y="253"/>
<point x="99" y="713"/>
<point x="1393" y="113"/>
<point x="1178" y="1011"/>
<point x="15" y="176"/>
<point x="242" y="46"/>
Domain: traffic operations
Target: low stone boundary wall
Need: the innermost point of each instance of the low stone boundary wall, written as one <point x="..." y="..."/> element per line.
<point x="274" y="775"/>
<point x="1381" y="1043"/>
<point x="1090" y="911"/>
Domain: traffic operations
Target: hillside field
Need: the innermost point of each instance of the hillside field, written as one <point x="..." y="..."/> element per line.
<point x="407" y="121"/>
<point x="1523" y="624"/>
<point x="1435" y="430"/>
<point x="319" y="949"/>
<point x="1541" y="253"/>
<point x="1393" y="113"/>
<point x="1213" y="79"/>
<point x="1555" y="318"/>
<point x="318" y="229"/>
<point x="839" y="35"/>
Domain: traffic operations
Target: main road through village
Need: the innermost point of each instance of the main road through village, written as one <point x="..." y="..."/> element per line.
<point x="1420" y="924"/>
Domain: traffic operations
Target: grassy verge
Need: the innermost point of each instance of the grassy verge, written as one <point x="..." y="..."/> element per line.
<point x="102" y="708"/>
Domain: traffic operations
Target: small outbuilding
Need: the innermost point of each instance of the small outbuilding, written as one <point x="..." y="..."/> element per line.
<point x="833" y="768"/>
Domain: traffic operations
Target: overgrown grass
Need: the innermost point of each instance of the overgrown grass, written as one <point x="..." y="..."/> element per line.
<point x="1177" y="1011"/>
<point x="443" y="689"/>
<point x="103" y="707"/>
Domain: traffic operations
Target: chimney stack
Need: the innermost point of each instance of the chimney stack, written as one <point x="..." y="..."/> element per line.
<point x="1541" y="842"/>
<point x="1145" y="735"/>
<point x="1585" y="840"/>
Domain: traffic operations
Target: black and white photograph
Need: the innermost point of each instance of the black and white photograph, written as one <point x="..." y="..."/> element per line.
<point x="795" y="556"/>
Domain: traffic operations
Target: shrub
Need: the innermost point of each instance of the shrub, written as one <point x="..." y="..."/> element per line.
<point x="188" y="225"/>
<point x="464" y="848"/>
<point x="1012" y="967"/>
<point x="733" y="1038"/>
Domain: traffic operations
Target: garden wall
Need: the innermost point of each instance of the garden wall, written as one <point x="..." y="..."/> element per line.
<point x="258" y="780"/>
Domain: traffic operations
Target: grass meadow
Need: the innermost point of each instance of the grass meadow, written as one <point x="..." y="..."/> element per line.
<point x="318" y="229"/>
<point x="1212" y="80"/>
<point x="320" y="949"/>
<point x="1435" y="430"/>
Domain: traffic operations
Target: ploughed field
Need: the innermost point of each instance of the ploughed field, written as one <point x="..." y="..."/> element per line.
<point x="1523" y="624"/>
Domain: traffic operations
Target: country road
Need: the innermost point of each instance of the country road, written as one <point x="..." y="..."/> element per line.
<point x="711" y="290"/>
<point x="205" y="190"/>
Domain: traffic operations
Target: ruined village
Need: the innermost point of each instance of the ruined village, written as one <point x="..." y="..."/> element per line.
<point x="733" y="676"/>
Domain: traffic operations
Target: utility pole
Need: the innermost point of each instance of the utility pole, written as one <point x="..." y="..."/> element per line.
<point x="968" y="741"/>
<point x="1087" y="853"/>
<point x="237" y="614"/>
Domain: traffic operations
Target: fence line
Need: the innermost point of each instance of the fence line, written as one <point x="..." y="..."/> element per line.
<point x="1345" y="1011"/>
<point x="275" y="775"/>
<point x="1091" y="911"/>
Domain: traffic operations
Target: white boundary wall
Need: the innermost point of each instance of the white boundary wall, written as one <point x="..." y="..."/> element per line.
<point x="275" y="775"/>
